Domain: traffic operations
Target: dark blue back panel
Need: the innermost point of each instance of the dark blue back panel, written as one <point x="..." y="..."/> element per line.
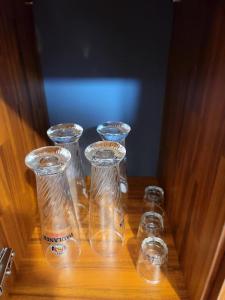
<point x="106" y="60"/>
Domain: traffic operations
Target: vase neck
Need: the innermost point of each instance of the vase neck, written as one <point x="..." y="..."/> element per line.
<point x="75" y="169"/>
<point x="72" y="147"/>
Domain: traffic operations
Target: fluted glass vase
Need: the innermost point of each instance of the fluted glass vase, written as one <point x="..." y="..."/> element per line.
<point x="59" y="226"/>
<point x="106" y="217"/>
<point x="117" y="132"/>
<point x="67" y="135"/>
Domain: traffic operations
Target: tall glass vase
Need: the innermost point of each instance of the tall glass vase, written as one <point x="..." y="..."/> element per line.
<point x="117" y="132"/>
<point x="59" y="227"/>
<point x="67" y="135"/>
<point x="106" y="217"/>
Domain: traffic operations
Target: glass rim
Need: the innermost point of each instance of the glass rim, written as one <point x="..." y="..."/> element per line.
<point x="123" y="125"/>
<point x="114" y="153"/>
<point x="154" y="187"/>
<point x="78" y="130"/>
<point x="153" y="239"/>
<point x="152" y="213"/>
<point x="48" y="160"/>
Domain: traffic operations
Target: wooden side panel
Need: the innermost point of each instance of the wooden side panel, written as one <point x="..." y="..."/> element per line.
<point x="23" y="118"/>
<point x="192" y="167"/>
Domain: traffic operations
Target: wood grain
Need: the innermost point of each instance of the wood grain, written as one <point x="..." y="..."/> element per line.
<point x="96" y="277"/>
<point x="23" y="124"/>
<point x="193" y="141"/>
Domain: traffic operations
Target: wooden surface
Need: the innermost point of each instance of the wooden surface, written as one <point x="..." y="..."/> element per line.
<point x="193" y="142"/>
<point x="23" y="124"/>
<point x="96" y="277"/>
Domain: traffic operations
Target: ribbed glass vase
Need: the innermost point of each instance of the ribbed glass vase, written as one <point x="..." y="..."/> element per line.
<point x="106" y="217"/>
<point x="117" y="132"/>
<point x="67" y="135"/>
<point x="59" y="226"/>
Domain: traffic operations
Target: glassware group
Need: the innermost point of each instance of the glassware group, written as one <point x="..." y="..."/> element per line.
<point x="153" y="251"/>
<point x="63" y="199"/>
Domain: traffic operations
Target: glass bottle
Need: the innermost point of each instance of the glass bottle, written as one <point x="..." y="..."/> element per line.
<point x="117" y="132"/>
<point x="152" y="260"/>
<point x="59" y="227"/>
<point x="67" y="135"/>
<point x="106" y="217"/>
<point x="154" y="200"/>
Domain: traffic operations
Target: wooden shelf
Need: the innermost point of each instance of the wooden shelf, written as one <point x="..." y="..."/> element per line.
<point x="96" y="277"/>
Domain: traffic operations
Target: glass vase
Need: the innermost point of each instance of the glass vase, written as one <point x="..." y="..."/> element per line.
<point x="59" y="226"/>
<point x="106" y="217"/>
<point x="117" y="132"/>
<point x="67" y="135"/>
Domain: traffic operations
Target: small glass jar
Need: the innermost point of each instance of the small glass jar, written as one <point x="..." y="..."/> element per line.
<point x="151" y="225"/>
<point x="154" y="200"/>
<point x="152" y="260"/>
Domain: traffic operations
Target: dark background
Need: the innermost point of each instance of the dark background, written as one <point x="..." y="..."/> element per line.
<point x="107" y="60"/>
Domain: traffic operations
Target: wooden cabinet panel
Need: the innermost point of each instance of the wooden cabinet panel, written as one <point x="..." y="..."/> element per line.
<point x="23" y="118"/>
<point x="193" y="140"/>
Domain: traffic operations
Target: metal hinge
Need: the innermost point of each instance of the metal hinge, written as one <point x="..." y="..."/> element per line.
<point x="6" y="260"/>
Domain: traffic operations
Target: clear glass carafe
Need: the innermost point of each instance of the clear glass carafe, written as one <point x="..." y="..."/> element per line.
<point x="117" y="132"/>
<point x="59" y="226"/>
<point x="154" y="200"/>
<point x="106" y="217"/>
<point x="67" y="135"/>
